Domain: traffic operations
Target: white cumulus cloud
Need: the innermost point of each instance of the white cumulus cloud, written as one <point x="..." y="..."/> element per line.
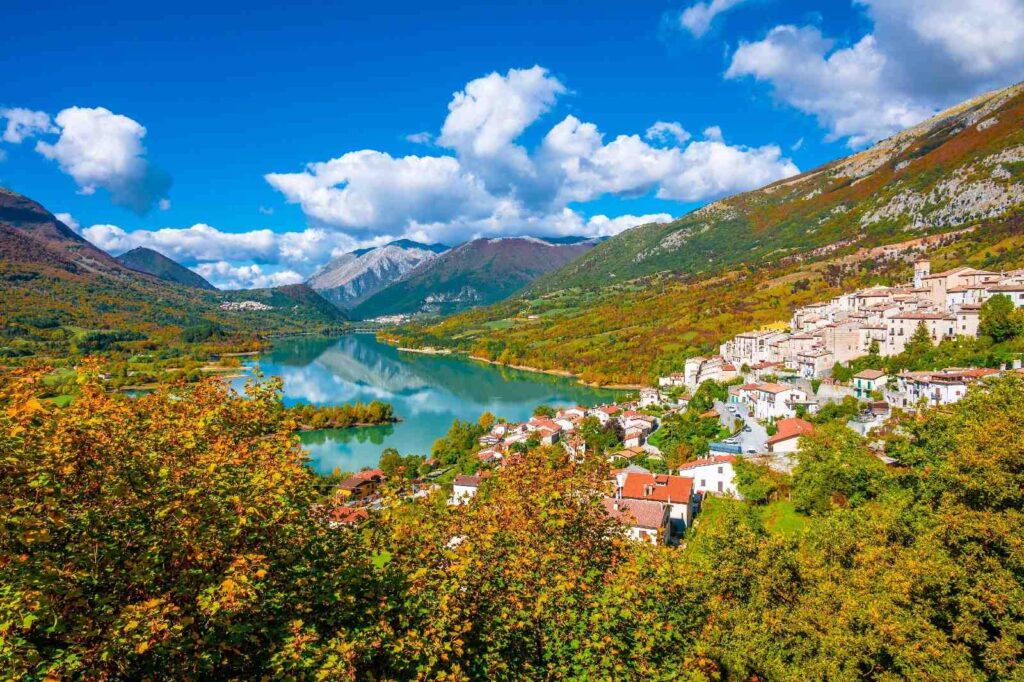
<point x="922" y="56"/>
<point x="489" y="183"/>
<point x="224" y="275"/>
<point x="697" y="18"/>
<point x="668" y="132"/>
<point x="101" y="149"/>
<point x="25" y="123"/>
<point x="68" y="220"/>
<point x="373" y="191"/>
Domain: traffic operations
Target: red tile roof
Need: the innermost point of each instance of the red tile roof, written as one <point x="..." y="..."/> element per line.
<point x="659" y="487"/>
<point x="790" y="428"/>
<point x="640" y="513"/>
<point x="357" y="479"/>
<point x="346" y="515"/>
<point x="869" y="374"/>
<point x="706" y="461"/>
<point x="470" y="481"/>
<point x="545" y="423"/>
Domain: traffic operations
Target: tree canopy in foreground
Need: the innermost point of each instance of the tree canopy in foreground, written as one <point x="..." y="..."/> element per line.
<point x="179" y="535"/>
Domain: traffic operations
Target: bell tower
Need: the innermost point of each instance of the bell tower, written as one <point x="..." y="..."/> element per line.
<point x="922" y="268"/>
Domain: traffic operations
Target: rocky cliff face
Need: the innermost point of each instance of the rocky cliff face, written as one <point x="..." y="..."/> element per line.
<point x="350" y="279"/>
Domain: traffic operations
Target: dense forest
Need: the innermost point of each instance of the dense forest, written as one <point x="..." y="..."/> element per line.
<point x="179" y="535"/>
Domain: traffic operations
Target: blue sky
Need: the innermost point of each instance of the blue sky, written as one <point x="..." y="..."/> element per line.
<point x="190" y="131"/>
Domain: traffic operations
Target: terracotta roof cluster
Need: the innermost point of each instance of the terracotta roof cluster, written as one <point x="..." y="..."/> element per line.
<point x="870" y="374"/>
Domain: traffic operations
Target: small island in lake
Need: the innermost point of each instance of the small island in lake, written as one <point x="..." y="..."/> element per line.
<point x="315" y="417"/>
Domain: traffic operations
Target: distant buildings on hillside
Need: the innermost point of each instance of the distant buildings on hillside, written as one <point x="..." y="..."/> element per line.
<point x="846" y="327"/>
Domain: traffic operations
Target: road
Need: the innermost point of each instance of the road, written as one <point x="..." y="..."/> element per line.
<point x="755" y="439"/>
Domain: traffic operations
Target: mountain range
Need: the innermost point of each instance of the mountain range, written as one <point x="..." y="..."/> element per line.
<point x="640" y="302"/>
<point x="351" y="278"/>
<point x="55" y="285"/>
<point x="478" y="272"/>
<point x="160" y="266"/>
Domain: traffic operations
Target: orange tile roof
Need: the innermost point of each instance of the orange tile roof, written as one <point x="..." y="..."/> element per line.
<point x="640" y="513"/>
<point x="707" y="461"/>
<point x="659" y="487"/>
<point x="346" y="515"/>
<point x="790" y="428"/>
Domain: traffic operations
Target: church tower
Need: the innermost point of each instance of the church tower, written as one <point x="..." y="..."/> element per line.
<point x="922" y="268"/>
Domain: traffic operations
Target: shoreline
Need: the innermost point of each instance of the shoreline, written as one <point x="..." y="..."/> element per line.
<point x="306" y="428"/>
<point x="564" y="373"/>
<point x="426" y="351"/>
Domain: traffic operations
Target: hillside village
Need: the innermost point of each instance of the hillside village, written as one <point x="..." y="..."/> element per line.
<point x="878" y="320"/>
<point x="772" y="381"/>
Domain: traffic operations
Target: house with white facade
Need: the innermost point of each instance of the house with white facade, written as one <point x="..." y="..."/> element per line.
<point x="675" y="492"/>
<point x="712" y="475"/>
<point x="651" y="397"/>
<point x="775" y="401"/>
<point x="645" y="521"/>
<point x="787" y="436"/>
<point x="944" y="387"/>
<point x="464" y="488"/>
<point x="867" y="382"/>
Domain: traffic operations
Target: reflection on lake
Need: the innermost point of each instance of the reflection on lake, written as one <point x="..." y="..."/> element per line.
<point x="428" y="392"/>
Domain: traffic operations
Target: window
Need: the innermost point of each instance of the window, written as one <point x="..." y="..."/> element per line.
<point x="703" y="483"/>
<point x="719" y="486"/>
<point x="719" y="469"/>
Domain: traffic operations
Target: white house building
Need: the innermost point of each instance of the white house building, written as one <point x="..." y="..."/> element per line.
<point x="714" y="475"/>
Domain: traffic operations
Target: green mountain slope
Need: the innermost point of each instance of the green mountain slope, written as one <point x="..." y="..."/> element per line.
<point x="638" y="304"/>
<point x="56" y="286"/>
<point x="476" y="273"/>
<point x="160" y="266"/>
<point x="964" y="165"/>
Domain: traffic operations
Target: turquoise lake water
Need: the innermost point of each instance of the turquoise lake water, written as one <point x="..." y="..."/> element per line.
<point x="428" y="392"/>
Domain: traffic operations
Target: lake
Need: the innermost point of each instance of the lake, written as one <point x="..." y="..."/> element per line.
<point x="428" y="392"/>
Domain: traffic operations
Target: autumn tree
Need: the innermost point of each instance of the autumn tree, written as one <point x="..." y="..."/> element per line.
<point x="172" y="535"/>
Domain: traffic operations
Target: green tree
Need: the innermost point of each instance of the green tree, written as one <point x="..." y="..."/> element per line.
<point x="998" y="320"/>
<point x="834" y="469"/>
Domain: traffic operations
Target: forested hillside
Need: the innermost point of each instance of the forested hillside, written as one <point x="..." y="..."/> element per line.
<point x="960" y="167"/>
<point x="59" y="292"/>
<point x="639" y="303"/>
<point x="160" y="266"/>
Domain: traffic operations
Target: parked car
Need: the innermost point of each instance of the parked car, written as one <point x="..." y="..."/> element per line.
<point x="731" y="441"/>
<point x="751" y="451"/>
<point x="747" y="429"/>
<point x="732" y="408"/>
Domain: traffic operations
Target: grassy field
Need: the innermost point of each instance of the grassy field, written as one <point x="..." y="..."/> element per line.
<point x="782" y="518"/>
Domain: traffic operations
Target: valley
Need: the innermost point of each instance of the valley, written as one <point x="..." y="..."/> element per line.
<point x="304" y="376"/>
